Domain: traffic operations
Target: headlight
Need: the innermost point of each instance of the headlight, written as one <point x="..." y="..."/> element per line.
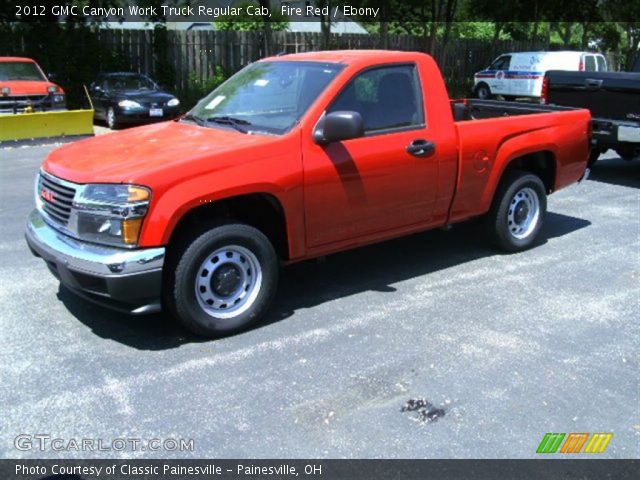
<point x="174" y="102"/>
<point x="111" y="213"/>
<point x="52" y="89"/>
<point x="5" y="91"/>
<point x="58" y="98"/>
<point x="129" y="104"/>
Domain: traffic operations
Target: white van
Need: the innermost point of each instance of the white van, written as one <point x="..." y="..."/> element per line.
<point x="520" y="74"/>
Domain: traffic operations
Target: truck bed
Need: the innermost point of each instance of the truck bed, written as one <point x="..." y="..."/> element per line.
<point x="612" y="98"/>
<point x="608" y="95"/>
<point x="471" y="109"/>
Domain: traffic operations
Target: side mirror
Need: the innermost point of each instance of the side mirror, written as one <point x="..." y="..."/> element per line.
<point x="338" y="126"/>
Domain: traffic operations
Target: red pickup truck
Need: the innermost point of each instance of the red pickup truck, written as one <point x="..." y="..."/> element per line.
<point x="24" y="87"/>
<point x="294" y="157"/>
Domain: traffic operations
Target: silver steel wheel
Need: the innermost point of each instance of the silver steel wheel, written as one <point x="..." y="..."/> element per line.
<point x="111" y="118"/>
<point x="524" y="213"/>
<point x="228" y="281"/>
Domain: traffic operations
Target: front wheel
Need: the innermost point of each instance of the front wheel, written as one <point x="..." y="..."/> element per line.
<point x="112" y="119"/>
<point x="483" y="92"/>
<point x="224" y="281"/>
<point x="518" y="211"/>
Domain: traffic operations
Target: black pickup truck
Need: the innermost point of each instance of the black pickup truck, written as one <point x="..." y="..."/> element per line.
<point x="614" y="101"/>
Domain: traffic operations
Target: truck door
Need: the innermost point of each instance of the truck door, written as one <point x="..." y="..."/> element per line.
<point x="499" y="84"/>
<point x="380" y="181"/>
<point x="601" y="63"/>
<point x="590" y="63"/>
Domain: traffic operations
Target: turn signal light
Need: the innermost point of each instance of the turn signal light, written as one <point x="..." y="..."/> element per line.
<point x="137" y="194"/>
<point x="131" y="230"/>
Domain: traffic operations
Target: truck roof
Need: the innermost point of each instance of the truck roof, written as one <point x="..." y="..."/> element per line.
<point x="552" y="52"/>
<point x="17" y="59"/>
<point x="349" y="56"/>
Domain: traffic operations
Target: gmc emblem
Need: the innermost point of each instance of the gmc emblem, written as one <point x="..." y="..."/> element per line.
<point x="47" y="195"/>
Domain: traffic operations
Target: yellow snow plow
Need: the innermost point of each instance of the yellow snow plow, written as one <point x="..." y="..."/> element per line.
<point x="29" y="123"/>
<point x="58" y="123"/>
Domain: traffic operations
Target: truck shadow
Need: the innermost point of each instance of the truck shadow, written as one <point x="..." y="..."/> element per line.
<point x="308" y="284"/>
<point x="617" y="172"/>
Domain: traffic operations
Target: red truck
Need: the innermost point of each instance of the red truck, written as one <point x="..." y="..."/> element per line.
<point x="294" y="157"/>
<point x="25" y="87"/>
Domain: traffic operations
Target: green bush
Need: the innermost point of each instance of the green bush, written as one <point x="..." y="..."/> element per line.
<point x="197" y="89"/>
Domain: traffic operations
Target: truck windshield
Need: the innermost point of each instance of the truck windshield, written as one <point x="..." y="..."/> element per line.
<point x="20" y="71"/>
<point x="265" y="97"/>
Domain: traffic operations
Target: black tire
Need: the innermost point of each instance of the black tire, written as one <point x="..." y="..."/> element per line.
<point x="483" y="92"/>
<point x="190" y="263"/>
<point x="112" y="119"/>
<point x="514" y="198"/>
<point x="628" y="153"/>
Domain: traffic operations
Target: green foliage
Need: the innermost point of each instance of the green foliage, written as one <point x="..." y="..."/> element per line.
<point x="197" y="89"/>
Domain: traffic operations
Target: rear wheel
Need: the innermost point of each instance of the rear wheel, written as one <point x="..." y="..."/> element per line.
<point x="518" y="211"/>
<point x="224" y="281"/>
<point x="628" y="153"/>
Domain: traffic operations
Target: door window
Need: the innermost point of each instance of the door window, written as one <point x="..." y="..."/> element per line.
<point x="501" y="63"/>
<point x="602" y="64"/>
<point x="387" y="98"/>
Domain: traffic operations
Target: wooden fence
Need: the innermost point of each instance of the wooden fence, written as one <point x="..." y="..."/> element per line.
<point x="184" y="57"/>
<point x="197" y="53"/>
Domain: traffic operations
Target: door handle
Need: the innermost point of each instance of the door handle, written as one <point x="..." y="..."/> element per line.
<point x="593" y="83"/>
<point x="421" y="148"/>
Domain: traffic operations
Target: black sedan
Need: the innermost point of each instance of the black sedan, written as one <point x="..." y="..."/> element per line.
<point x="127" y="98"/>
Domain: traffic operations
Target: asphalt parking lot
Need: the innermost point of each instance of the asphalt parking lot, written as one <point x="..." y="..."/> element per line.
<point x="502" y="348"/>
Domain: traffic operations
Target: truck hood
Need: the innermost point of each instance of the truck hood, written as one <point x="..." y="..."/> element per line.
<point x="28" y="87"/>
<point x="141" y="155"/>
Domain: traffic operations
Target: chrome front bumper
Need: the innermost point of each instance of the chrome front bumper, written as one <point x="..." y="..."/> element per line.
<point x="126" y="280"/>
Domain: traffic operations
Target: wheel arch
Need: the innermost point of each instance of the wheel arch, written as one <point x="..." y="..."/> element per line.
<point x="261" y="210"/>
<point x="540" y="162"/>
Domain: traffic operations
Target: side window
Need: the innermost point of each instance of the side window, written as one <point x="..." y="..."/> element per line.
<point x="602" y="64"/>
<point x="589" y="63"/>
<point x="386" y="97"/>
<point x="501" y="63"/>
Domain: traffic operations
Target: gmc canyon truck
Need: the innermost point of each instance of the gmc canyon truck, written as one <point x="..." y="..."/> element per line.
<point x="294" y="157"/>
<point x="614" y="101"/>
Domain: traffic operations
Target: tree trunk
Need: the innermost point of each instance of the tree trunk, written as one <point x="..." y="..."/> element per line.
<point x="268" y="36"/>
<point x="566" y="35"/>
<point x="384" y="34"/>
<point x="496" y="34"/>
<point x="584" y="43"/>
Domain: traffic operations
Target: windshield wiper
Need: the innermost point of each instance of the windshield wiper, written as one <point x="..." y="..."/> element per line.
<point x="234" y="122"/>
<point x="193" y="118"/>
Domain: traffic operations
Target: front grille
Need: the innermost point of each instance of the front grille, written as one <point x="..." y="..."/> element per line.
<point x="22" y="100"/>
<point x="56" y="198"/>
